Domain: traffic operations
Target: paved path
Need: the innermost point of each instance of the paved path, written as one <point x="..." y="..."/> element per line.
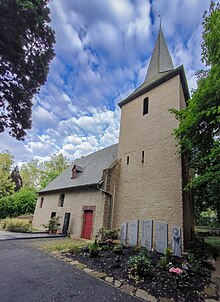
<point x="5" y="235"/>
<point x="30" y="275"/>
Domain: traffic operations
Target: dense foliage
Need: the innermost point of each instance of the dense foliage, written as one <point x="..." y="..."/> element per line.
<point x="52" y="168"/>
<point x="6" y="183"/>
<point x="26" y="50"/>
<point x="18" y="188"/>
<point x="22" y="202"/>
<point x="36" y="174"/>
<point x="199" y="129"/>
<point x="16" y="178"/>
<point x="14" y="225"/>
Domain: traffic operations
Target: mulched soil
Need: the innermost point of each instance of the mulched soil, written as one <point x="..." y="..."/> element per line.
<point x="160" y="284"/>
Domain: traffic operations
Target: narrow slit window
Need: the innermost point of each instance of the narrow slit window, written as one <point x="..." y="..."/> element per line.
<point x="142" y="160"/>
<point x="128" y="160"/>
<point x="41" y="202"/>
<point x="61" y="200"/>
<point x="145" y="105"/>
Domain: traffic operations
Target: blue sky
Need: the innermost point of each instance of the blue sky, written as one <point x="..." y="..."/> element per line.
<point x="102" y="54"/>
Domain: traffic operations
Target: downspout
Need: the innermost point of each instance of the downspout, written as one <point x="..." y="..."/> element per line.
<point x="110" y="203"/>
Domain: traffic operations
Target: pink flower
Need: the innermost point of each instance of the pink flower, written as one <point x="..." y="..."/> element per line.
<point x="175" y="270"/>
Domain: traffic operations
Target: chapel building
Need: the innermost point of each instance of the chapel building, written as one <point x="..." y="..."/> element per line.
<point x="141" y="177"/>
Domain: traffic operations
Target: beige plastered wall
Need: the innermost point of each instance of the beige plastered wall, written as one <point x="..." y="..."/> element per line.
<point x="74" y="203"/>
<point x="153" y="189"/>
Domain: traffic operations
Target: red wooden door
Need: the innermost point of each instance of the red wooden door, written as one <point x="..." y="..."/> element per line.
<point x="87" y="227"/>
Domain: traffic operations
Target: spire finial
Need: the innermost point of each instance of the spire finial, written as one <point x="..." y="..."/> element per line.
<point x="160" y="20"/>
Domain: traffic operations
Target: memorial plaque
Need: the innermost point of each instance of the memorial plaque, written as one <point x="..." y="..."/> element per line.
<point x="146" y="235"/>
<point x="176" y="241"/>
<point x="123" y="235"/>
<point x="133" y="234"/>
<point x="161" y="236"/>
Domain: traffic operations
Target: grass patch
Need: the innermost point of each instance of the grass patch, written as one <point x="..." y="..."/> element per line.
<point x="213" y="241"/>
<point x="16" y="225"/>
<point x="67" y="244"/>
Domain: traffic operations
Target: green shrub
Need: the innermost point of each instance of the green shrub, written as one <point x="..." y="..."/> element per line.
<point x="19" y="203"/>
<point x="118" y="248"/>
<point x="53" y="224"/>
<point x="139" y="267"/>
<point x="168" y="254"/>
<point x="106" y="234"/>
<point x="18" y="226"/>
<point x="162" y="262"/>
<point x="93" y="249"/>
<point x="195" y="264"/>
<point x="104" y="247"/>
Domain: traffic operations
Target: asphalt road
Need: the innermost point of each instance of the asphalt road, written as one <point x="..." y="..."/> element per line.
<point x="27" y="274"/>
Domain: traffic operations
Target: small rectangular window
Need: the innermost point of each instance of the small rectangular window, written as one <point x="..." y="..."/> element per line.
<point x="142" y="157"/>
<point x="127" y="160"/>
<point x="145" y="106"/>
<point x="53" y="214"/>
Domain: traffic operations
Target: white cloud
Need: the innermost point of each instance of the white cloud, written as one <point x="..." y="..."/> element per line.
<point x="102" y="53"/>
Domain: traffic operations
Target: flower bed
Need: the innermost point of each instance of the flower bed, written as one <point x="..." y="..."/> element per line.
<point x="172" y="278"/>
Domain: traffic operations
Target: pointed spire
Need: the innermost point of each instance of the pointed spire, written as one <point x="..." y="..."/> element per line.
<point x="161" y="61"/>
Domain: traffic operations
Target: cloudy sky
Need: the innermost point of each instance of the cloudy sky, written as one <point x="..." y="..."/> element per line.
<point x="102" y="54"/>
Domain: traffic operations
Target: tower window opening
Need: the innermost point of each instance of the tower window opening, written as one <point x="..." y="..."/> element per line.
<point x="145" y="105"/>
<point x="142" y="160"/>
<point x="128" y="160"/>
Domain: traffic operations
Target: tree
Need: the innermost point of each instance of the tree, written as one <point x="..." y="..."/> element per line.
<point x="24" y="202"/>
<point x="53" y="168"/>
<point x="31" y="174"/>
<point x="36" y="174"/>
<point x="199" y="128"/>
<point x="6" y="183"/>
<point x="19" y="203"/>
<point x="6" y="207"/>
<point x="16" y="178"/>
<point x="26" y="50"/>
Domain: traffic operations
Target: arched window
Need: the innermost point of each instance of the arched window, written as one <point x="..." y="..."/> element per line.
<point x="41" y="202"/>
<point x="61" y="200"/>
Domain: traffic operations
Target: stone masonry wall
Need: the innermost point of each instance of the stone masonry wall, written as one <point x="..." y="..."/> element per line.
<point x="110" y="177"/>
<point x="153" y="189"/>
<point x="73" y="203"/>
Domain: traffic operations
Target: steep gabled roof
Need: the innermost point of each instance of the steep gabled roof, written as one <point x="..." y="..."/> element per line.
<point x="92" y="167"/>
<point x="145" y="87"/>
<point x="159" y="71"/>
<point x="160" y="62"/>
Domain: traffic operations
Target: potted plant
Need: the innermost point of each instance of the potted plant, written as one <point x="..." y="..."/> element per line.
<point x="53" y="225"/>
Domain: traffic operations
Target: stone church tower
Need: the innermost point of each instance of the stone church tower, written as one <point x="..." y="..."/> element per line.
<point x="152" y="174"/>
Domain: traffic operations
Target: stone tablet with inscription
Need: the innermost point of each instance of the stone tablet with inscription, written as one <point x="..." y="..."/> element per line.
<point x="133" y="233"/>
<point x="176" y="241"/>
<point x="161" y="237"/>
<point x="146" y="235"/>
<point x="123" y="235"/>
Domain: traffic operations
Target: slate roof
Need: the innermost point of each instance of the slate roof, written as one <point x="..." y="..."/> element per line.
<point x="92" y="166"/>
<point x="160" y="62"/>
<point x="160" y="70"/>
<point x="145" y="87"/>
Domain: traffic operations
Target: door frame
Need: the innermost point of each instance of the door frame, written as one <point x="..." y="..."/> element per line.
<point x="68" y="222"/>
<point x="84" y="209"/>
